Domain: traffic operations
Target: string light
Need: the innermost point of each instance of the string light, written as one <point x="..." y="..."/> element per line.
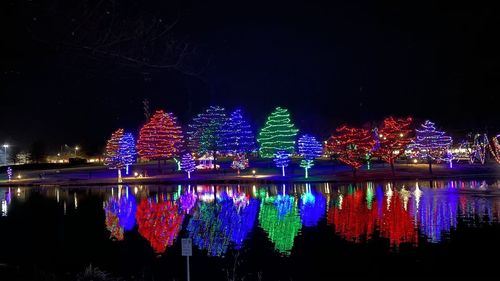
<point x="277" y="134"/>
<point x="310" y="148"/>
<point x="206" y="132"/>
<point x="160" y="138"/>
<point x="237" y="136"/>
<point x="188" y="164"/>
<point x="351" y="145"/>
<point x="240" y="162"/>
<point x="120" y="151"/>
<point x="394" y="136"/>
<point x="431" y="144"/>
<point x="282" y="159"/>
<point x="495" y="148"/>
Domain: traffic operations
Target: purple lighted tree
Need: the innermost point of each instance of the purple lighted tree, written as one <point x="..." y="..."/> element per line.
<point x="188" y="164"/>
<point x="282" y="159"/>
<point x="431" y="144"/>
<point x="310" y="148"/>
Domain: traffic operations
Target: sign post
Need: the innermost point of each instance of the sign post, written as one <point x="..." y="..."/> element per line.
<point x="187" y="251"/>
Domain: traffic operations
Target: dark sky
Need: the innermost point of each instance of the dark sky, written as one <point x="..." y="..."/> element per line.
<point x="345" y="62"/>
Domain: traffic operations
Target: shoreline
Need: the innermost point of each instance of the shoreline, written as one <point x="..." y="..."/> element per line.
<point x="324" y="174"/>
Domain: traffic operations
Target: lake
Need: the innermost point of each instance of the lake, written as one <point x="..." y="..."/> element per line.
<point x="251" y="232"/>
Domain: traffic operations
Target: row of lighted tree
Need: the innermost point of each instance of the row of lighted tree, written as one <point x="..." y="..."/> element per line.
<point x="214" y="132"/>
<point x="357" y="214"/>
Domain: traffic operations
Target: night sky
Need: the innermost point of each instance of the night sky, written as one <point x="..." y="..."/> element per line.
<point x="348" y="62"/>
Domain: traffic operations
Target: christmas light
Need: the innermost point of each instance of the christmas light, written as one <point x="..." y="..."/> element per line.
<point x="351" y="145"/>
<point x="479" y="148"/>
<point x="494" y="148"/>
<point x="9" y="173"/>
<point x="431" y="144"/>
<point x="160" y="138"/>
<point x="206" y="132"/>
<point x="240" y="162"/>
<point x="127" y="148"/>
<point x="393" y="138"/>
<point x="278" y="134"/>
<point x="188" y="164"/>
<point x="237" y="136"/>
<point x="310" y="149"/>
<point x="120" y="151"/>
<point x="282" y="159"/>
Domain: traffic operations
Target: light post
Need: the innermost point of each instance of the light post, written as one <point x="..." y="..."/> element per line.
<point x="76" y="149"/>
<point x="5" y="146"/>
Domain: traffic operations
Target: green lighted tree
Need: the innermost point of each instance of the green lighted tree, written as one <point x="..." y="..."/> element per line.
<point x="278" y="134"/>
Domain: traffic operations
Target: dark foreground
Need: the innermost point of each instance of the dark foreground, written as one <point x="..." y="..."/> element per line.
<point x="251" y="232"/>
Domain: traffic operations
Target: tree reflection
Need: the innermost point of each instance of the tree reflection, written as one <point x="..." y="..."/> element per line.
<point x="279" y="218"/>
<point x="159" y="222"/>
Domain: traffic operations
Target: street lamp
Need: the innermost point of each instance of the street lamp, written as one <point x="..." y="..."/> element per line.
<point x="76" y="149"/>
<point x="5" y="146"/>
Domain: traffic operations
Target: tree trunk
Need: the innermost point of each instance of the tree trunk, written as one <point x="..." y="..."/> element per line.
<point x="354" y="170"/>
<point x="392" y="167"/>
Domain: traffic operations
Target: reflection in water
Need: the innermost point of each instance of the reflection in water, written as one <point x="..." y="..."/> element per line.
<point x="279" y="217"/>
<point x="220" y="218"/>
<point x="215" y="225"/>
<point x="159" y="221"/>
<point x="209" y="227"/>
<point x="312" y="208"/>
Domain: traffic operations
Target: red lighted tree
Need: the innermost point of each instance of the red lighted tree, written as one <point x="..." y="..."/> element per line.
<point x="394" y="136"/>
<point x="351" y="145"/>
<point x="160" y="138"/>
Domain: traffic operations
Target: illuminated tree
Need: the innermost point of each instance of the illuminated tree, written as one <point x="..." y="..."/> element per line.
<point x="278" y="134"/>
<point x="282" y="159"/>
<point x="240" y="162"/>
<point x="394" y="136"/>
<point x="431" y="144"/>
<point x="188" y="164"/>
<point x="120" y="151"/>
<point x="128" y="150"/>
<point x="310" y="149"/>
<point x="205" y="134"/>
<point x="161" y="138"/>
<point x="495" y="148"/>
<point x="351" y="145"/>
<point x="238" y="136"/>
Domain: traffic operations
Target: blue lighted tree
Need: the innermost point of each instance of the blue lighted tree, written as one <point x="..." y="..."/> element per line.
<point x="282" y="159"/>
<point x="309" y="148"/>
<point x="188" y="164"/>
<point x="128" y="150"/>
<point x="238" y="136"/>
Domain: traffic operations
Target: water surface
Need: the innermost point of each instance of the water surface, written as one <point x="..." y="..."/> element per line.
<point x="271" y="232"/>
